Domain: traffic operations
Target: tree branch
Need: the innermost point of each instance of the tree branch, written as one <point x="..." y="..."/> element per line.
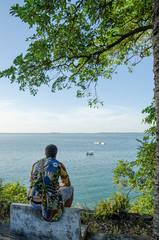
<point x="99" y="52"/>
<point x="131" y="33"/>
<point x="135" y="185"/>
<point x="137" y="30"/>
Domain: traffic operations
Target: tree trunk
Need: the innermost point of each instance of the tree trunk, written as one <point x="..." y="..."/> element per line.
<point x="156" y="78"/>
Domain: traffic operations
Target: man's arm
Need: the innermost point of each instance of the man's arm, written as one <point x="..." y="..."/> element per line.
<point x="33" y="179"/>
<point x="65" y="180"/>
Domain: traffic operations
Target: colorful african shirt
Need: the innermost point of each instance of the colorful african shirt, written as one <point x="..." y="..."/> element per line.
<point x="45" y="185"/>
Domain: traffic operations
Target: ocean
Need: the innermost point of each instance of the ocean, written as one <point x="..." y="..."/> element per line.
<point x="90" y="175"/>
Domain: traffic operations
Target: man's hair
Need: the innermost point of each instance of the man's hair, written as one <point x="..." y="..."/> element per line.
<point x="51" y="151"/>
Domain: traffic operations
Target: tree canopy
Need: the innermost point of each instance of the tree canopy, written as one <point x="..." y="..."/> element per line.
<point x="77" y="42"/>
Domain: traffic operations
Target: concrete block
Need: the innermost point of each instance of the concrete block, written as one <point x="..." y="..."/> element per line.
<point x="84" y="230"/>
<point x="28" y="224"/>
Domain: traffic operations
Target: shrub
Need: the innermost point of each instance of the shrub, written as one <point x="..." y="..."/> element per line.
<point x="14" y="192"/>
<point x="117" y="204"/>
<point x="138" y="176"/>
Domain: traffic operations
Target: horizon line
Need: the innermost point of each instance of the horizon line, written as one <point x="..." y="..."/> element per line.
<point x="67" y="132"/>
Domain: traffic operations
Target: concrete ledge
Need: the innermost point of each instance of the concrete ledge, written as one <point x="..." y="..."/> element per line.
<point x="28" y="224"/>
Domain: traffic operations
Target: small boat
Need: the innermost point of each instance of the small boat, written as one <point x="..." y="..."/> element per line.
<point x="89" y="153"/>
<point x="103" y="143"/>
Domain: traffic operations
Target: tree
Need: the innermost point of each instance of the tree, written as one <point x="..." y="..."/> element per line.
<point x="83" y="40"/>
<point x="156" y="78"/>
<point x="77" y="42"/>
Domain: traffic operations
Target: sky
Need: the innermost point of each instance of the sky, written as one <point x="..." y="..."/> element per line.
<point x="125" y="96"/>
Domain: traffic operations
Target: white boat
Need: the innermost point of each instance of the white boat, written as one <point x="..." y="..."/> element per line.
<point x="103" y="143"/>
<point x="89" y="153"/>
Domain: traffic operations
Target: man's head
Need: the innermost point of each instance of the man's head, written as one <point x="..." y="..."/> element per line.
<point x="51" y="151"/>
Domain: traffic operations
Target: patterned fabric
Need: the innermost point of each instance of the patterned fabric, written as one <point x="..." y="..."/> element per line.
<point x="45" y="185"/>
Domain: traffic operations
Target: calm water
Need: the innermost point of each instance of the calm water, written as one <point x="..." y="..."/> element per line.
<point x="90" y="175"/>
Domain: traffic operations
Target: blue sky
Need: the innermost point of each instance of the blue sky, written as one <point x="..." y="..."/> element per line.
<point x="124" y="97"/>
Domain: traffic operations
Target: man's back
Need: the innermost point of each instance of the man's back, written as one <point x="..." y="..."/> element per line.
<point x="44" y="188"/>
<point x="46" y="193"/>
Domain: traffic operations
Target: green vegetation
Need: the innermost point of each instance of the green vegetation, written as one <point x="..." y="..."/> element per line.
<point x="77" y="42"/>
<point x="128" y="225"/>
<point x="116" y="205"/>
<point x="14" y="192"/>
<point x="119" y="214"/>
<point x="136" y="175"/>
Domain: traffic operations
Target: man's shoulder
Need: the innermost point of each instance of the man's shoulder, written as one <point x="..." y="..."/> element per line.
<point x="38" y="162"/>
<point x="62" y="166"/>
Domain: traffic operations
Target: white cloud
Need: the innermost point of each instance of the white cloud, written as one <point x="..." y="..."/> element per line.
<point x="6" y="103"/>
<point x="110" y="119"/>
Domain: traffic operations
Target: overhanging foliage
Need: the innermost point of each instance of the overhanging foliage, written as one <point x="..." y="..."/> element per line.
<point x="77" y="42"/>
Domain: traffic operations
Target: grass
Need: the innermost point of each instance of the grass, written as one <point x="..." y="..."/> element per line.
<point x="126" y="224"/>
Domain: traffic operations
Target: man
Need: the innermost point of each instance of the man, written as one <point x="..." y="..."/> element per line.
<point x="45" y="192"/>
